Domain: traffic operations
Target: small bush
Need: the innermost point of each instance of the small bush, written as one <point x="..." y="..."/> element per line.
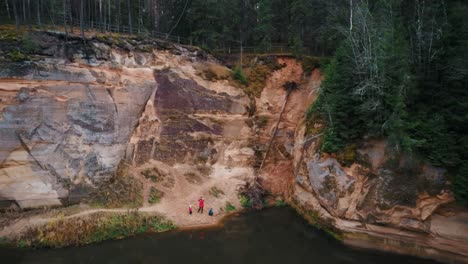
<point x="4" y="241"/>
<point x="155" y="196"/>
<point x="246" y="202"/>
<point x="29" y="46"/>
<point x="216" y="192"/>
<point x="279" y="203"/>
<point x="239" y="76"/>
<point x="262" y="121"/>
<point x="153" y="174"/>
<point x="252" y="195"/>
<point x="230" y="207"/>
<point x="17" y="56"/>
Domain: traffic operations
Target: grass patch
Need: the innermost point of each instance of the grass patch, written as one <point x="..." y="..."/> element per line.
<point x="153" y="174"/>
<point x="245" y="201"/>
<point x="155" y="196"/>
<point x="17" y="56"/>
<point x="216" y="192"/>
<point x="230" y="207"/>
<point x="5" y="242"/>
<point x="122" y="191"/>
<point x="91" y="229"/>
<point x="280" y="203"/>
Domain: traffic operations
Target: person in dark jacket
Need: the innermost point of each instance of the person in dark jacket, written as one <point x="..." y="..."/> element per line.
<point x="210" y="213"/>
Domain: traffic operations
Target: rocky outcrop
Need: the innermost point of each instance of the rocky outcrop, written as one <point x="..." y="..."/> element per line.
<point x="68" y="116"/>
<point x="378" y="202"/>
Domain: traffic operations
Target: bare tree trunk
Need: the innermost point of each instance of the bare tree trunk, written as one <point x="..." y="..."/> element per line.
<point x="129" y="17"/>
<point x="38" y="7"/>
<point x="139" y="16"/>
<point x="110" y="17"/>
<point x="8" y="9"/>
<point x="65" y="17"/>
<point x="275" y="132"/>
<point x="24" y="11"/>
<point x="29" y="17"/>
<point x="118" y="15"/>
<point x="104" y="17"/>
<point x="82" y="17"/>
<point x="156" y="15"/>
<point x="350" y="15"/>
<point x="71" y="16"/>
<point x="15" y="13"/>
<point x="100" y="15"/>
<point x="90" y="20"/>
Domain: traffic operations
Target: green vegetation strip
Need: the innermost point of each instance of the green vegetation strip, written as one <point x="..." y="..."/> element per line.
<point x="91" y="229"/>
<point x="326" y="225"/>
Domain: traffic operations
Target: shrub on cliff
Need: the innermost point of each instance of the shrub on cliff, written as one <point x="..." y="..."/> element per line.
<point x="239" y="76"/>
<point x="252" y="195"/>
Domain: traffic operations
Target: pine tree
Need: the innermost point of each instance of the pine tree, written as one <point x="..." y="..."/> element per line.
<point x="264" y="28"/>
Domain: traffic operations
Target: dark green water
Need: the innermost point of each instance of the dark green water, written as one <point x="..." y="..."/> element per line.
<point x="274" y="236"/>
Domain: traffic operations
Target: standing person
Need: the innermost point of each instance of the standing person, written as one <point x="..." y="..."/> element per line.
<point x="201" y="204"/>
<point x="210" y="213"/>
<point x="190" y="209"/>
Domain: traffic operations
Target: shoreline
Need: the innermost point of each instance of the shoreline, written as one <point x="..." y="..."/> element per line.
<point x="390" y="240"/>
<point x="382" y="239"/>
<point x="12" y="235"/>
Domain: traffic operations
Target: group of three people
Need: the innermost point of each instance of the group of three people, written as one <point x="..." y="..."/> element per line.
<point x="201" y="205"/>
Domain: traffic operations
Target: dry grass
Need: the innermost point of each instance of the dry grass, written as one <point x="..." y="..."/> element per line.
<point x="153" y="174"/>
<point x="216" y="192"/>
<point x="91" y="229"/>
<point x="214" y="72"/>
<point x="155" y="196"/>
<point x="193" y="177"/>
<point x="204" y="169"/>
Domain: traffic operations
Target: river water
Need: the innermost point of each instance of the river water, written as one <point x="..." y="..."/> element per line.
<point x="273" y="236"/>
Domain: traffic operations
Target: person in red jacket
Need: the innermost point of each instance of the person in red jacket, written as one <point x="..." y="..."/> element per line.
<point x="201" y="204"/>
